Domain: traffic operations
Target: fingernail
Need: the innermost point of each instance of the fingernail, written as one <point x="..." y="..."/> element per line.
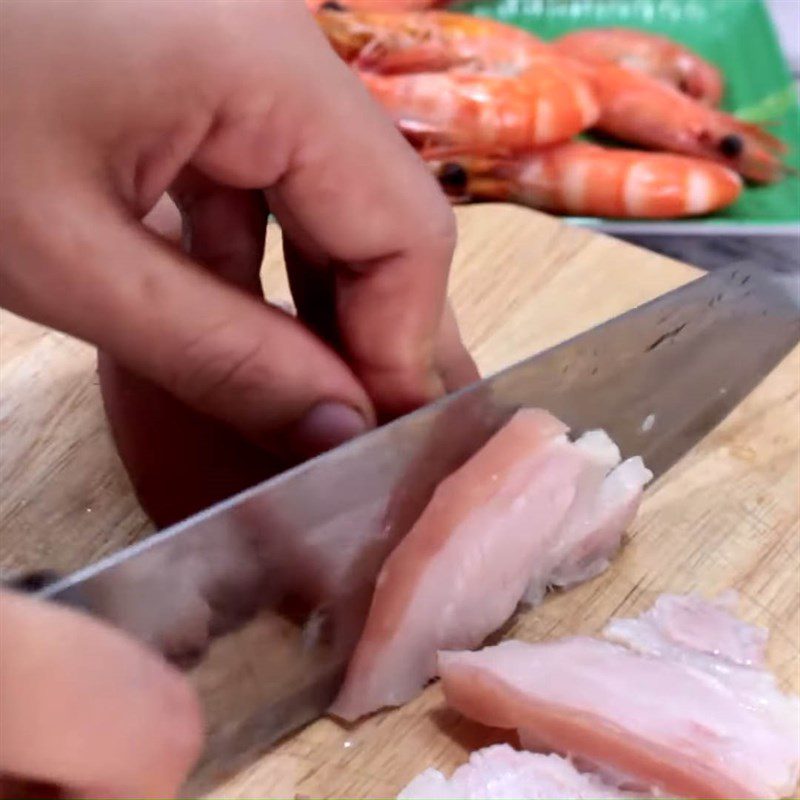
<point x="327" y="425"/>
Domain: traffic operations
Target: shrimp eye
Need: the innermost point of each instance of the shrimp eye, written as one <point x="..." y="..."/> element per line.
<point x="453" y="176"/>
<point x="332" y="5"/>
<point x="731" y="145"/>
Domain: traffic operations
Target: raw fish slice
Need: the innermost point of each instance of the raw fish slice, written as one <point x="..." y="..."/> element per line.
<point x="590" y="540"/>
<point x="530" y="500"/>
<point x="704" y="635"/>
<point x="679" y="623"/>
<point x="667" y="724"/>
<point x="601" y="456"/>
<point x="460" y="572"/>
<point x="500" y="772"/>
<point x="608" y="497"/>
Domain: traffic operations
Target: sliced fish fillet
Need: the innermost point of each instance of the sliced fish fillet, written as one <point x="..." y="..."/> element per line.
<point x="594" y="540"/>
<point x="528" y="508"/>
<point x="675" y="718"/>
<point x="482" y="528"/>
<point x="687" y="627"/>
<point x="501" y="773"/>
<point x="608" y="497"/>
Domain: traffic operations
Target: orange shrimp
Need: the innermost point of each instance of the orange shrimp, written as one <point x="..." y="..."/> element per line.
<point x="638" y="109"/>
<point x="429" y="41"/>
<point x="455" y="80"/>
<point x="487" y="113"/>
<point x="650" y="54"/>
<point x="586" y="179"/>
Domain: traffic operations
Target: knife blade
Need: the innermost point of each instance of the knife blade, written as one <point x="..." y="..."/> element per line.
<point x="262" y="597"/>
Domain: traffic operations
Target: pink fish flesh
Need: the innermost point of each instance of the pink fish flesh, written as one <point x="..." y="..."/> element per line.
<point x="687" y="626"/>
<point x="530" y="509"/>
<point x="679" y="714"/>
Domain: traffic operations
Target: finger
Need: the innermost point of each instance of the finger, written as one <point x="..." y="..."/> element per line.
<point x="352" y="194"/>
<point x="453" y="361"/>
<point x="389" y="286"/>
<point x="179" y="460"/>
<point x="85" y="707"/>
<point x="313" y="290"/>
<point x="210" y="345"/>
<point x="225" y="228"/>
<point x="314" y="295"/>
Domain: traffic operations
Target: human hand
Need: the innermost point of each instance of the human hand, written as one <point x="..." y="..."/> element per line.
<point x="88" y="710"/>
<point x="233" y="108"/>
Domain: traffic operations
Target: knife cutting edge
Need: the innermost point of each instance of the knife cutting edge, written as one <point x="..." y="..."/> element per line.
<point x="262" y="597"/>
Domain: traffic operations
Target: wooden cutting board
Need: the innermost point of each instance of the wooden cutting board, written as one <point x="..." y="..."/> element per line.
<point x="725" y="517"/>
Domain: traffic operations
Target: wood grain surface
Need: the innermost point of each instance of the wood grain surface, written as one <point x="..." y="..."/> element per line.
<point x="725" y="517"/>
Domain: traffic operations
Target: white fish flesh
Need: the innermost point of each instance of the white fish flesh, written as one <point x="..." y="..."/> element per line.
<point x="688" y="712"/>
<point x="501" y="773"/>
<point x="530" y="509"/>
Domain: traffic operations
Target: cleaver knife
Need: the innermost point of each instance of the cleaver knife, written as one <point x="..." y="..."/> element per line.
<point x="262" y="597"/>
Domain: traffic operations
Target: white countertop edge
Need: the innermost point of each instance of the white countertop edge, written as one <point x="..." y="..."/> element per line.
<point x="687" y="228"/>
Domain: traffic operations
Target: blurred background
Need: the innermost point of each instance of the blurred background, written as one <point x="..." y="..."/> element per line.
<point x="786" y="16"/>
<point x="632" y="119"/>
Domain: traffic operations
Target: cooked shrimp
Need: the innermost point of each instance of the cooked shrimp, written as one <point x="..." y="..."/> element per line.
<point x="486" y="113"/>
<point x="451" y="79"/>
<point x="429" y="41"/>
<point x="639" y="109"/>
<point x="653" y="55"/>
<point x="586" y="179"/>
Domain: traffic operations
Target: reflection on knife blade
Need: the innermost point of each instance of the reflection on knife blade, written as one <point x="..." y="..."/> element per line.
<point x="230" y="589"/>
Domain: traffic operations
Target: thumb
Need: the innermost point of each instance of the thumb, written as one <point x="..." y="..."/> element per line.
<point x="86" y="708"/>
<point x="223" y="352"/>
